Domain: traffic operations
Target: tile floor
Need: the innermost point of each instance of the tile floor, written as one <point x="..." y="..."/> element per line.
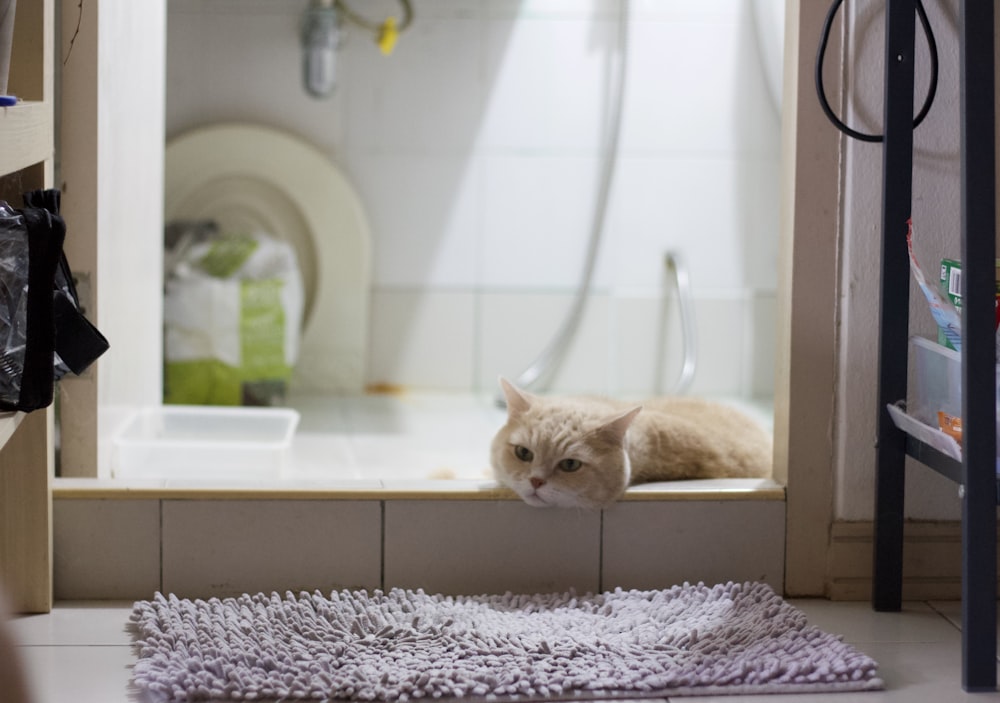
<point x="81" y="653"/>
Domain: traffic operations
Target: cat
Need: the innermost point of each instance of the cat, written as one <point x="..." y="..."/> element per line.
<point x="584" y="452"/>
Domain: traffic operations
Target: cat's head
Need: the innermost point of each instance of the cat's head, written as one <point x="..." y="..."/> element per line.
<point x="563" y="452"/>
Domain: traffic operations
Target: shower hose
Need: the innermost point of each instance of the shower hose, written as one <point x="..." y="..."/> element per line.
<point x="539" y="371"/>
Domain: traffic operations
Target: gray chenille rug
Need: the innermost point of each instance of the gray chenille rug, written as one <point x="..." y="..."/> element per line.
<point x="400" y="645"/>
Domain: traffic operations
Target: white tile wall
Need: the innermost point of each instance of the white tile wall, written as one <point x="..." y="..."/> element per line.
<point x="716" y="212"/>
<point x="649" y="343"/>
<point x="241" y="61"/>
<point x="697" y="85"/>
<point x="422" y="210"/>
<point x="490" y="547"/>
<point x="426" y="97"/>
<point x="231" y="547"/>
<point x="537" y="214"/>
<point x="547" y="81"/>
<point x="423" y="337"/>
<point x="476" y="148"/>
<point x="199" y="548"/>
<point x="763" y="323"/>
<point x="710" y="541"/>
<point x="105" y="548"/>
<point x="515" y="328"/>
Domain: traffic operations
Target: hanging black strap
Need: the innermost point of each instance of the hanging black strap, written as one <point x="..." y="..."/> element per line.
<point x="77" y="341"/>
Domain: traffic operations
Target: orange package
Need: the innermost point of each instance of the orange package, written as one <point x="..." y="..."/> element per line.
<point x="950" y="425"/>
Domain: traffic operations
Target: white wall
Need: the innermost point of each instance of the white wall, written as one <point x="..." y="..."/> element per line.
<point x="475" y="148"/>
<point x="937" y="221"/>
<point x="130" y="109"/>
<point x="111" y="126"/>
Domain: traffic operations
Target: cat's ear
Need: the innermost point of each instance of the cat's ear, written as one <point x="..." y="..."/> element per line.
<point x="616" y="427"/>
<point x="518" y="401"/>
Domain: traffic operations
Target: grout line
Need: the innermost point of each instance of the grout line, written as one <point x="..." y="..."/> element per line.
<point x="381" y="557"/>
<point x="477" y="340"/>
<point x="160" y="505"/>
<point x="948" y="620"/>
<point x="59" y="645"/>
<point x="600" y="557"/>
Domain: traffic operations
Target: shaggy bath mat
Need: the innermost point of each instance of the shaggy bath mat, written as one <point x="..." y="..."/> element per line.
<point x="400" y="645"/>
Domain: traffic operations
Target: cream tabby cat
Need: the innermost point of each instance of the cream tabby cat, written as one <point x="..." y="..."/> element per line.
<point x="584" y="451"/>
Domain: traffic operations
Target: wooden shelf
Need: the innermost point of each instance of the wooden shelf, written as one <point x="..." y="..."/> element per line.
<point x="9" y="423"/>
<point x="26" y="139"/>
<point x="25" y="135"/>
<point x="27" y="155"/>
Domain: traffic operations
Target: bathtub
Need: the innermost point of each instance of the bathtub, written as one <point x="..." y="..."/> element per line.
<point x="401" y="440"/>
<point x="394" y="490"/>
<point x="413" y="440"/>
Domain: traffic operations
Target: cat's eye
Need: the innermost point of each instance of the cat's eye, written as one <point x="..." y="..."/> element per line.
<point x="569" y="465"/>
<point x="523" y="453"/>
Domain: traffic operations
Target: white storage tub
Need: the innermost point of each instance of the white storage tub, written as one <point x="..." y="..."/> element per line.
<point x="937" y="385"/>
<point x="192" y="442"/>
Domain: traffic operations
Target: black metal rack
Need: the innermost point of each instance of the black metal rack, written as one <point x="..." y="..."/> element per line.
<point x="976" y="473"/>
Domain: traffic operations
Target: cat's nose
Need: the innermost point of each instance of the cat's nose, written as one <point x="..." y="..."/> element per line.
<point x="536" y="482"/>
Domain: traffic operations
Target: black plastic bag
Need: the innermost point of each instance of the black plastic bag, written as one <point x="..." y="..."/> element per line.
<point x="43" y="333"/>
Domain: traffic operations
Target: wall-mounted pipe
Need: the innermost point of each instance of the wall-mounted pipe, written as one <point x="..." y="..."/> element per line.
<point x="320" y="38"/>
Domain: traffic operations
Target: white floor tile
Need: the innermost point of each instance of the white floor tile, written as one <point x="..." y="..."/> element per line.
<point x="75" y="623"/>
<point x="78" y="653"/>
<point x="952" y="610"/>
<point x="917" y="672"/>
<point x="79" y="674"/>
<point x="918" y="651"/>
<point x="922" y="671"/>
<point x="857" y="622"/>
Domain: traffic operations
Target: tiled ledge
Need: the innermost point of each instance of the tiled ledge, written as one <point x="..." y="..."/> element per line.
<point x="112" y="489"/>
<point x="225" y="544"/>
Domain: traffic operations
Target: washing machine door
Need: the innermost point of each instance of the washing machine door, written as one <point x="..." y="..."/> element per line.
<point x="253" y="178"/>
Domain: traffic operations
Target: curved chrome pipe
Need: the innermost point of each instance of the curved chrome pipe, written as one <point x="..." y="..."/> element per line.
<point x="685" y="301"/>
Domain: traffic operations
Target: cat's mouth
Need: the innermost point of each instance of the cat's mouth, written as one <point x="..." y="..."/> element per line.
<point x="535" y="500"/>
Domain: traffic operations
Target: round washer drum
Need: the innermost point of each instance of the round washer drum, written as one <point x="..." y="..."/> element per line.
<point x="248" y="177"/>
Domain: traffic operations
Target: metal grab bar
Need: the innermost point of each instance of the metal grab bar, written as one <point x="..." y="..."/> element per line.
<point x="685" y="301"/>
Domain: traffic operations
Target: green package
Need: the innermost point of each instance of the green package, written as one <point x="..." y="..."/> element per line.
<point x="951" y="287"/>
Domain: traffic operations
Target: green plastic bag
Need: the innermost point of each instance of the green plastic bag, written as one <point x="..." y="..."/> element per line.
<point x="232" y="315"/>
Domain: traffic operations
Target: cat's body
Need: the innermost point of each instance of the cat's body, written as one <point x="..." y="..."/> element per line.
<point x="585" y="451"/>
